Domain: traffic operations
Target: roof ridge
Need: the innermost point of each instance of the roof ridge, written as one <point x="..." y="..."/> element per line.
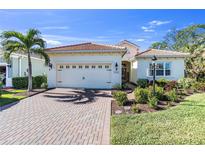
<point x="63" y="46"/>
<point x="166" y="52"/>
<point x="114" y="46"/>
<point x="129" y="43"/>
<point x="143" y="52"/>
<point x="109" y="45"/>
<point x="171" y="51"/>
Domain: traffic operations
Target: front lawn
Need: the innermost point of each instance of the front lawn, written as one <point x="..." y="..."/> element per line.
<point x="183" y="124"/>
<point x="9" y="96"/>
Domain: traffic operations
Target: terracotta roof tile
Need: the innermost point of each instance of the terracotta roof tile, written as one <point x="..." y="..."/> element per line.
<point x="161" y="53"/>
<point x="85" y="46"/>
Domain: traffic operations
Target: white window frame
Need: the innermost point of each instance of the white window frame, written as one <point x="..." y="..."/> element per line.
<point x="164" y="69"/>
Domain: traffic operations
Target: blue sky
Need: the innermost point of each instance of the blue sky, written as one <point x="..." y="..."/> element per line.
<point x="62" y="27"/>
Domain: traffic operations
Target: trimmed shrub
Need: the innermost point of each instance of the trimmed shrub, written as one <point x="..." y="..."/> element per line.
<point x="185" y="83"/>
<point x="198" y="86"/>
<point x="135" y="108"/>
<point x="201" y="86"/>
<point x="124" y="86"/>
<point x="22" y="82"/>
<point x="170" y="85"/>
<point x="152" y="102"/>
<point x="142" y="83"/>
<point x="159" y="91"/>
<point x="120" y="97"/>
<point x="39" y="80"/>
<point x="117" y="86"/>
<point x="172" y="95"/>
<point x="44" y="85"/>
<point x="141" y="95"/>
<point x="1" y="86"/>
<point x="162" y="82"/>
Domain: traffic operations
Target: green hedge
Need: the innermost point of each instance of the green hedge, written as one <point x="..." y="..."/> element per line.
<point x="22" y="82"/>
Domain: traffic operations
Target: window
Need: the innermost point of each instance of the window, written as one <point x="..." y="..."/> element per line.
<point x="162" y="69"/>
<point x="73" y="66"/>
<point x="167" y="69"/>
<point x="159" y="69"/>
<point x="61" y="66"/>
<point x="93" y="66"/>
<point x="67" y="66"/>
<point x="100" y="66"/>
<point x="86" y="66"/>
<point x="107" y="66"/>
<point x="80" y="66"/>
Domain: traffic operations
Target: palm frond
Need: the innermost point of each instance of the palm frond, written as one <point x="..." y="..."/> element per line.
<point x="13" y="35"/>
<point x="40" y="42"/>
<point x="41" y="52"/>
<point x="14" y="46"/>
<point x="7" y="56"/>
<point x="32" y="33"/>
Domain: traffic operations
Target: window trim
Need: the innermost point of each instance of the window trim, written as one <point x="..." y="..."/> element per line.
<point x="164" y="69"/>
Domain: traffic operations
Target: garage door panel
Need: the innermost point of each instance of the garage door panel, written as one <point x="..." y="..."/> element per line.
<point x="85" y="76"/>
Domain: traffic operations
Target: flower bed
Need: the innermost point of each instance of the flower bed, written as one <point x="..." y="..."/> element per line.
<point x="168" y="94"/>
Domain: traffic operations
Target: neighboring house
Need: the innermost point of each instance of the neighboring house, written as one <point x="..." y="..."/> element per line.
<point x="91" y="65"/>
<point x="18" y="65"/>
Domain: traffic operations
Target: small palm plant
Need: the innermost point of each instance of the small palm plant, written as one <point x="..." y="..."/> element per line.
<point x="30" y="43"/>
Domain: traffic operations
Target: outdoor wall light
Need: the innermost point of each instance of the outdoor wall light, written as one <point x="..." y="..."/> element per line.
<point x="116" y="66"/>
<point x="50" y="66"/>
<point x="9" y="65"/>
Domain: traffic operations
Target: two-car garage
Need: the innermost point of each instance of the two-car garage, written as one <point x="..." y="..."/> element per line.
<point x="86" y="65"/>
<point x="84" y="75"/>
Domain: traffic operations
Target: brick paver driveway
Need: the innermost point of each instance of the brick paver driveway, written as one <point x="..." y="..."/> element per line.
<point x="58" y="116"/>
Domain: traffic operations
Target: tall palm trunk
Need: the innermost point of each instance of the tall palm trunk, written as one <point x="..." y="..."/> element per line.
<point x="29" y="72"/>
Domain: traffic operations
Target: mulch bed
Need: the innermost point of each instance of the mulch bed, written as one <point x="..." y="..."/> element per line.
<point x="143" y="108"/>
<point x="116" y="109"/>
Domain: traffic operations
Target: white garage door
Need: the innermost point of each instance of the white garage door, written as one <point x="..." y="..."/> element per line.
<point x="84" y="75"/>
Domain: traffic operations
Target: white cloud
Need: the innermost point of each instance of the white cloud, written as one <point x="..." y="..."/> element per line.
<point x="140" y="40"/>
<point x="52" y="42"/>
<point x="153" y="24"/>
<point x="158" y="22"/>
<point x="55" y="27"/>
<point x="147" y="29"/>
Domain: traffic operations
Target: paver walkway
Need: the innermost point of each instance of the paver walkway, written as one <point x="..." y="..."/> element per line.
<point x="58" y="116"/>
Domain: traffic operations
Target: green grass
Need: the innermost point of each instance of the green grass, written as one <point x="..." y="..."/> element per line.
<point x="184" y="124"/>
<point x="8" y="97"/>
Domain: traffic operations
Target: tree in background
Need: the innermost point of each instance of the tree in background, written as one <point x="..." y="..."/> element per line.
<point x="191" y="40"/>
<point x="30" y="43"/>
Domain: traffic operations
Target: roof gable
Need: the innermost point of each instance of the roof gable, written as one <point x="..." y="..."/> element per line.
<point x="128" y="42"/>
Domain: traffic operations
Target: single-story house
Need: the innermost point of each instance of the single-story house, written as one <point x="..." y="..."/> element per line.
<point x="91" y="65"/>
<point x="87" y="65"/>
<point x="18" y="67"/>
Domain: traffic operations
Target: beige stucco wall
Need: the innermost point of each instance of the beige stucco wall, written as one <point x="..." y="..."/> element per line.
<point x="131" y="51"/>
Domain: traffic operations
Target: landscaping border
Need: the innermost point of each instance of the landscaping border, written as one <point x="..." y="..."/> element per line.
<point x="16" y="102"/>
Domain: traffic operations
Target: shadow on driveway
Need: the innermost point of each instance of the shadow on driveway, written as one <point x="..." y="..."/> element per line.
<point x="77" y="96"/>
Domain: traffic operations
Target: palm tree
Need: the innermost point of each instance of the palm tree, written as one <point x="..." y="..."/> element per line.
<point x="30" y="43"/>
